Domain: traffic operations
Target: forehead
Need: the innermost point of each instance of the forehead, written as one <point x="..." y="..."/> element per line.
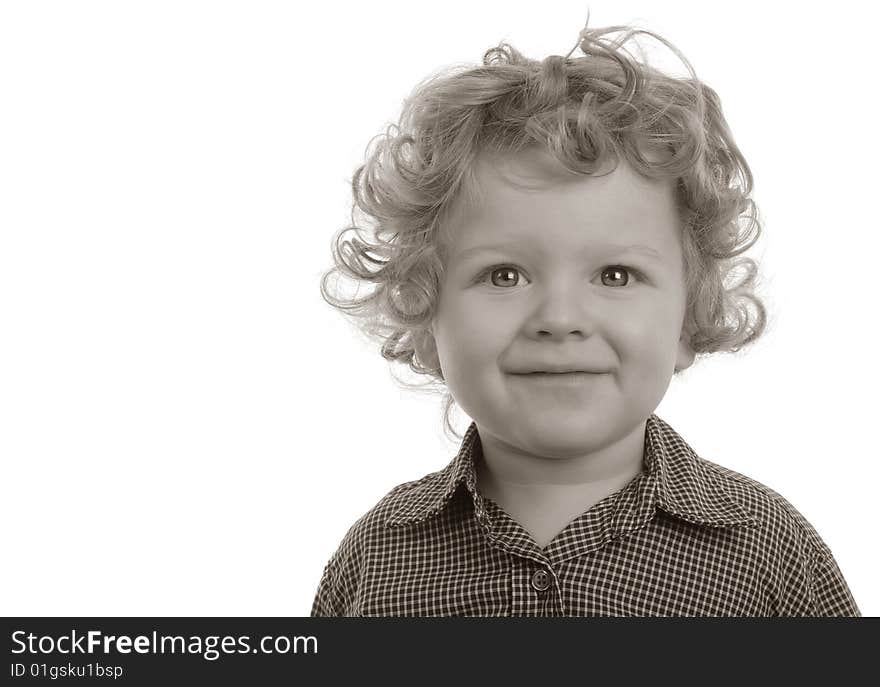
<point x="532" y="197"/>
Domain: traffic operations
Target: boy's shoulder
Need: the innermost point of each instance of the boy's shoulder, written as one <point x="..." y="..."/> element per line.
<point x="700" y="487"/>
<point x="343" y="571"/>
<point x="414" y="499"/>
<point x="770" y="510"/>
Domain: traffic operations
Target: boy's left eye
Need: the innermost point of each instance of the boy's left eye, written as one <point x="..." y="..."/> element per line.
<point x="618" y="270"/>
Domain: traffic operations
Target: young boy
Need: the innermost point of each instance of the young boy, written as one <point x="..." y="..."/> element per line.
<point x="560" y="234"/>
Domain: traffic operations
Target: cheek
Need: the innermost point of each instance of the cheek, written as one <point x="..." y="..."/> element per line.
<point x="649" y="329"/>
<point x="468" y="318"/>
<point x="471" y="336"/>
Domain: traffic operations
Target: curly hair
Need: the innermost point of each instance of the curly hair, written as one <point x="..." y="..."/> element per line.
<point x="584" y="111"/>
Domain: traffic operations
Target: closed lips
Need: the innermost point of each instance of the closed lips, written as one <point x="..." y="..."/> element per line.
<point x="558" y="369"/>
<point x="557" y="372"/>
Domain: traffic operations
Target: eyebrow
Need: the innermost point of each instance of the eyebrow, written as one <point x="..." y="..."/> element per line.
<point x="631" y="248"/>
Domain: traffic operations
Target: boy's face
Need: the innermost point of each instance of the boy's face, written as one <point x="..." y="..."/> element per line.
<point x="555" y="295"/>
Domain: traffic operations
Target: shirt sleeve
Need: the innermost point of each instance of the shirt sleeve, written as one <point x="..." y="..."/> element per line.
<point x="830" y="594"/>
<point x="327" y="602"/>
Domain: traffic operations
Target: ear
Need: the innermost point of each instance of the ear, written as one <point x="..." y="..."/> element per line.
<point x="426" y="349"/>
<point x="684" y="356"/>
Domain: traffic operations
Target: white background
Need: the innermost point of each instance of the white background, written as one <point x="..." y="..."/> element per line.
<point x="186" y="428"/>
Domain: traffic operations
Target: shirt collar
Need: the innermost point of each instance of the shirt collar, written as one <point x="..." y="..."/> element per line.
<point x="678" y="482"/>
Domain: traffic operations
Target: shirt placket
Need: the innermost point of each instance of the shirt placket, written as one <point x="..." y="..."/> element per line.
<point x="534" y="586"/>
<point x="540" y="591"/>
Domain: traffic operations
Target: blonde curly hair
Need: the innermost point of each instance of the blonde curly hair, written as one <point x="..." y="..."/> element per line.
<point x="584" y="111"/>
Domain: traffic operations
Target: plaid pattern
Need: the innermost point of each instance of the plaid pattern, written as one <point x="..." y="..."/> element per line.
<point x="685" y="537"/>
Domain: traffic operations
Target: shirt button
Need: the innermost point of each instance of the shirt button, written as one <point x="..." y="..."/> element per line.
<point x="541" y="580"/>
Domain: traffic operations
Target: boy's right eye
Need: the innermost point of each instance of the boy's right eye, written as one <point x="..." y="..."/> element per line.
<point x="507" y="272"/>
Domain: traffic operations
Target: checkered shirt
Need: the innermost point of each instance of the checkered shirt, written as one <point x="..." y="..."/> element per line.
<point x="685" y="537"/>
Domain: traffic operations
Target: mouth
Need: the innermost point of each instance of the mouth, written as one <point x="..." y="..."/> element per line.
<point x="538" y="373"/>
<point x="566" y="372"/>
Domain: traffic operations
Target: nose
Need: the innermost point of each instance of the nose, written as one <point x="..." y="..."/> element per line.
<point x="561" y="312"/>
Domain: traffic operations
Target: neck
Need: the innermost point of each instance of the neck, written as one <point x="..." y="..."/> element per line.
<point x="509" y="467"/>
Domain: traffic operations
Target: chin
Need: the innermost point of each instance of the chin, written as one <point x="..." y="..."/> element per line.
<point x="557" y="430"/>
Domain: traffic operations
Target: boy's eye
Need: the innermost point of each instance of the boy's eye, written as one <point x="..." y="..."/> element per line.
<point x="508" y="275"/>
<point x="619" y="272"/>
